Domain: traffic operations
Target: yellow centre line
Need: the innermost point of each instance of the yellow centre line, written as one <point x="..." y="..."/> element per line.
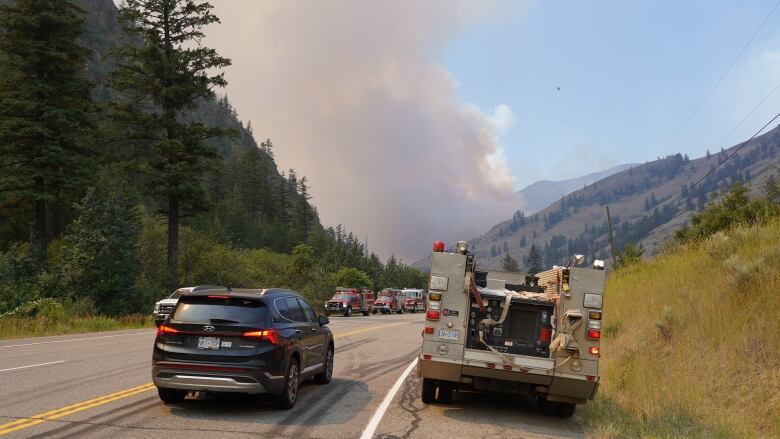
<point x="71" y="409"/>
<point x="370" y="328"/>
<point x="51" y="415"/>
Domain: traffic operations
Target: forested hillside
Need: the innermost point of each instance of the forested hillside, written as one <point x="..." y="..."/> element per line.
<point x="647" y="203"/>
<point x="91" y="228"/>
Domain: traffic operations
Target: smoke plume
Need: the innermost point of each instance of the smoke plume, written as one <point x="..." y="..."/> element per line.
<point x="354" y="96"/>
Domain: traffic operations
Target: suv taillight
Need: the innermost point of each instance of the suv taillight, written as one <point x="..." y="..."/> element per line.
<point x="266" y="334"/>
<point x="163" y="329"/>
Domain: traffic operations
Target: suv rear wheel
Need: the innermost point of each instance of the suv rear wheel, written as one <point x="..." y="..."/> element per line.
<point x="325" y="376"/>
<point x="171" y="396"/>
<point x="290" y="392"/>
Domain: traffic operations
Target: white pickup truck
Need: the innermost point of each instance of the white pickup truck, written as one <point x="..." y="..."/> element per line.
<point x="163" y="308"/>
<point x="504" y="332"/>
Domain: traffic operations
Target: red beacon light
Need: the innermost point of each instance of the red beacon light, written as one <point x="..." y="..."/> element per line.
<point x="438" y="246"/>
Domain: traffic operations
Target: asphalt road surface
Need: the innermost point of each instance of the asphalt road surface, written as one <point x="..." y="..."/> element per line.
<point x="99" y="385"/>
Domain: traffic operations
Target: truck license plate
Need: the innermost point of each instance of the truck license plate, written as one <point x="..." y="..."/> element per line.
<point x="449" y="334"/>
<point x="211" y="343"/>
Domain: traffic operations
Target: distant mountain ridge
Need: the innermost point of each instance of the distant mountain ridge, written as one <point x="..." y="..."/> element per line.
<point x="639" y="200"/>
<point x="542" y="193"/>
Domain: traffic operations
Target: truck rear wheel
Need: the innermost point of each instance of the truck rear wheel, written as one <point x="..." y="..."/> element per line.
<point x="546" y="407"/>
<point x="365" y="313"/>
<point x="348" y="312"/>
<point x="428" y="390"/>
<point x="566" y="410"/>
<point x="445" y="392"/>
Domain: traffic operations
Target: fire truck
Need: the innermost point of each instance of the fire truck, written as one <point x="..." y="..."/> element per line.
<point x="414" y="299"/>
<point x="493" y="331"/>
<point x="349" y="300"/>
<point x="390" y="300"/>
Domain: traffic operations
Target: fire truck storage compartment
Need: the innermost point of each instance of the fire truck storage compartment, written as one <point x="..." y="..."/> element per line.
<point x="526" y="330"/>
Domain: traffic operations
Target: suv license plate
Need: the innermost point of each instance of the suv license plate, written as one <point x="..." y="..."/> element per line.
<point x="449" y="334"/>
<point x="211" y="343"/>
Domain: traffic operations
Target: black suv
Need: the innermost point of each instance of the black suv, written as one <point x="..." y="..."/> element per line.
<point x="245" y="341"/>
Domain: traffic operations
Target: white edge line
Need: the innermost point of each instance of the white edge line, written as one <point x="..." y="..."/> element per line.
<point x="368" y="433"/>
<point x="73" y="339"/>
<point x="32" y="365"/>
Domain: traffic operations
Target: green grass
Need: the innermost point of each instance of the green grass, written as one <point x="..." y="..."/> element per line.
<point x="21" y="327"/>
<point x="692" y="342"/>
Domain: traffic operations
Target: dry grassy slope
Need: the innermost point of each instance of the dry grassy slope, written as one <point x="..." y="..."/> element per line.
<point x="692" y="342"/>
<point x="629" y="206"/>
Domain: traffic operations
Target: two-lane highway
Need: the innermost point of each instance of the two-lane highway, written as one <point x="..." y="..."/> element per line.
<point x="99" y="385"/>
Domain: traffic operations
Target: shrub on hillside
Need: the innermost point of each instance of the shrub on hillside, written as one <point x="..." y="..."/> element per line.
<point x="736" y="207"/>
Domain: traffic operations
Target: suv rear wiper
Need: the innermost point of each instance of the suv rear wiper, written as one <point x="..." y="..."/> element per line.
<point x="222" y="321"/>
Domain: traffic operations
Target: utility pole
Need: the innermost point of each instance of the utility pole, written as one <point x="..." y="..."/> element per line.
<point x="611" y="240"/>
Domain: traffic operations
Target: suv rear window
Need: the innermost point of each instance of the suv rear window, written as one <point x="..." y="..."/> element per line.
<point x="200" y="309"/>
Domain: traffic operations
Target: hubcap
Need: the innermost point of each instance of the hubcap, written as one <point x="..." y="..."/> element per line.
<point x="292" y="382"/>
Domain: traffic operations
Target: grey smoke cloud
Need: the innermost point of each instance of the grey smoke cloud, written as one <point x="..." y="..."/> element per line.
<point x="355" y="97"/>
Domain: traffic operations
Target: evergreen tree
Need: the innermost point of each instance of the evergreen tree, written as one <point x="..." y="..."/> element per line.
<point x="46" y="121"/>
<point x="534" y="260"/>
<point x="100" y="260"/>
<point x="509" y="264"/>
<point x="171" y="71"/>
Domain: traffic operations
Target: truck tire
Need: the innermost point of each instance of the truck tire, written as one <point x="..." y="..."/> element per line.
<point x="171" y="396"/>
<point x="365" y="313"/>
<point x="428" y="394"/>
<point x="445" y="392"/>
<point x="401" y="310"/>
<point x="546" y="407"/>
<point x="348" y="312"/>
<point x="566" y="410"/>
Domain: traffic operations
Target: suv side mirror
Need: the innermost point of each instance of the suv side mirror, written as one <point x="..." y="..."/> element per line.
<point x="323" y="320"/>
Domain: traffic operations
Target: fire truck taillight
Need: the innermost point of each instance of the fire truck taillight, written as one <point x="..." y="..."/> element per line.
<point x="434" y="296"/>
<point x="595" y="350"/>
<point x="545" y="334"/>
<point x="429" y="330"/>
<point x="594" y="334"/>
<point x="594" y="315"/>
<point x="432" y="315"/>
<point x="438" y="246"/>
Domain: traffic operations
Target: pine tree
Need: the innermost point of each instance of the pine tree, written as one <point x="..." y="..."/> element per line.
<point x="100" y="259"/>
<point x="46" y="120"/>
<point x="172" y="72"/>
<point x="303" y="209"/>
<point x="534" y="260"/>
<point x="509" y="264"/>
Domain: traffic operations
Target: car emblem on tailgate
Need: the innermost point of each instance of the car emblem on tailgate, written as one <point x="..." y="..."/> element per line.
<point x="209" y="328"/>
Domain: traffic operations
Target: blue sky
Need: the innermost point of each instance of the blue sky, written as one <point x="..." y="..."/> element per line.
<point x="629" y="73"/>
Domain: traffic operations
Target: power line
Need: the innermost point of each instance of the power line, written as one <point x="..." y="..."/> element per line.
<point x="720" y="142"/>
<point x="685" y="192"/>
<point x="722" y="77"/>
